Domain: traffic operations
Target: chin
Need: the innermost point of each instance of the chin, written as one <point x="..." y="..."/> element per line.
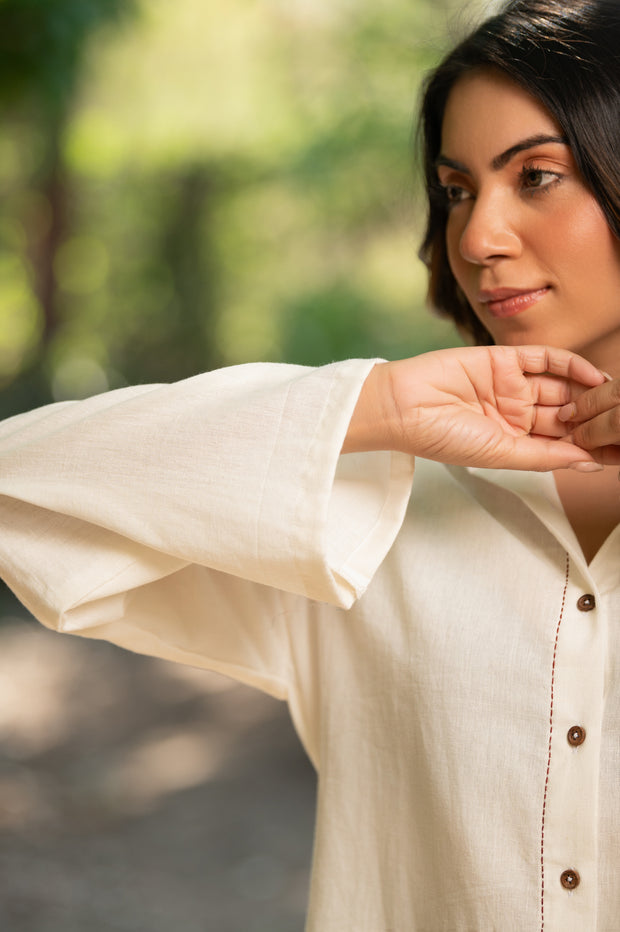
<point x="510" y="336"/>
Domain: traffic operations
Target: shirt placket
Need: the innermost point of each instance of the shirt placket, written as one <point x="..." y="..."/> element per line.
<point x="569" y="823"/>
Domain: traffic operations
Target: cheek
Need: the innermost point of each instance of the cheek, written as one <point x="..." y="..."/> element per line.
<point x="585" y="241"/>
<point x="454" y="232"/>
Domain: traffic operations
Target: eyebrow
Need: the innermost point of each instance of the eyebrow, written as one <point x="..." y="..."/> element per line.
<point x="501" y="160"/>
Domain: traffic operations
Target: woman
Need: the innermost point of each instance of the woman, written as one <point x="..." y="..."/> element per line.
<point x="463" y="714"/>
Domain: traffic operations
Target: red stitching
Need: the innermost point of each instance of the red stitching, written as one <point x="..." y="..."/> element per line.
<point x="544" y="808"/>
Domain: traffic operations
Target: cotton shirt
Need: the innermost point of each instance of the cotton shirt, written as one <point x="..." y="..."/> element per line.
<point x="450" y="661"/>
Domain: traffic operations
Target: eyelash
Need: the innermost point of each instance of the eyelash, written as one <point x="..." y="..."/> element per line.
<point x="524" y="187"/>
<point x="535" y="169"/>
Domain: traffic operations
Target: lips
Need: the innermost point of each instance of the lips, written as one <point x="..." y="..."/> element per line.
<point x="505" y="302"/>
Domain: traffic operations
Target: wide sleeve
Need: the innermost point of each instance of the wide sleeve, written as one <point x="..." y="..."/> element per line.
<point x="139" y="514"/>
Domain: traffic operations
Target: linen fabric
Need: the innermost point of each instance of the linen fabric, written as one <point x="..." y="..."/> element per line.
<point x="457" y="694"/>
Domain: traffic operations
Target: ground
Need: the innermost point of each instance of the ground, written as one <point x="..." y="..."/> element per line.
<point x="143" y="796"/>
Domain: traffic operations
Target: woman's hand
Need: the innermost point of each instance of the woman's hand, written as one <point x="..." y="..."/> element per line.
<point x="494" y="406"/>
<point x="594" y="421"/>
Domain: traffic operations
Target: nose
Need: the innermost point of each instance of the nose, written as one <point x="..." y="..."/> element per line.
<point x="490" y="232"/>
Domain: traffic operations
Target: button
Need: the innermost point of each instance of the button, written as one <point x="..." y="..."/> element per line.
<point x="585" y="603"/>
<point x="576" y="735"/>
<point x="570" y="879"/>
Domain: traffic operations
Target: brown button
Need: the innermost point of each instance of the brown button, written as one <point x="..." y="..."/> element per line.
<point x="576" y="735"/>
<point x="570" y="879"/>
<point x="586" y="602"/>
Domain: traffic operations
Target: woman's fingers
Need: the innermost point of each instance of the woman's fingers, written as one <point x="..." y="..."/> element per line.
<point x="539" y="359"/>
<point x="555" y="390"/>
<point x="592" y="402"/>
<point x="551" y="395"/>
<point x="483" y="406"/>
<point x="600" y="431"/>
<point x="546" y="423"/>
<point x="543" y="454"/>
<point x="594" y="416"/>
<point x="608" y="456"/>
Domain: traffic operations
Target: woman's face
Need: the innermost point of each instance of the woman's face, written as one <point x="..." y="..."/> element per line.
<point x="527" y="241"/>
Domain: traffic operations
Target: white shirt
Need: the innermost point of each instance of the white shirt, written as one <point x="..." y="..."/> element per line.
<point x="457" y="693"/>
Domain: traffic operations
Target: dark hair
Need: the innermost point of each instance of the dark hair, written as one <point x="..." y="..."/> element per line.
<point x="566" y="53"/>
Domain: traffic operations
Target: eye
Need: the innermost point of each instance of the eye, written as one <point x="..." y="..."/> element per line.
<point x="533" y="178"/>
<point x="454" y="194"/>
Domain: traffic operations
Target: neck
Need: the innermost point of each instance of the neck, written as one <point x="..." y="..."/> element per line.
<point x="605" y="355"/>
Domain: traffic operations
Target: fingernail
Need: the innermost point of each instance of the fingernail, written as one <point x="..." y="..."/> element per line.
<point x="568" y="412"/>
<point x="586" y="467"/>
<point x="609" y="377"/>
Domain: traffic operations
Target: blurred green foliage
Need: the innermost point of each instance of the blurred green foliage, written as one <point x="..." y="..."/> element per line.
<point x="42" y="43"/>
<point x="187" y="184"/>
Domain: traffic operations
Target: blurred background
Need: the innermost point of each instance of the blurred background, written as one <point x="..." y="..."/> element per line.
<point x="186" y="184"/>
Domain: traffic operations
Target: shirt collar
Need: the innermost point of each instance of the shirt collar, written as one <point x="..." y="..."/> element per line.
<point x="538" y="491"/>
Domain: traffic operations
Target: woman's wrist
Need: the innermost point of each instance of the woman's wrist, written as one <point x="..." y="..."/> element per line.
<point x="374" y="423"/>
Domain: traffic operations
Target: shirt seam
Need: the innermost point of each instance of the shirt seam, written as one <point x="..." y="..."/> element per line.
<point x="551" y="711"/>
